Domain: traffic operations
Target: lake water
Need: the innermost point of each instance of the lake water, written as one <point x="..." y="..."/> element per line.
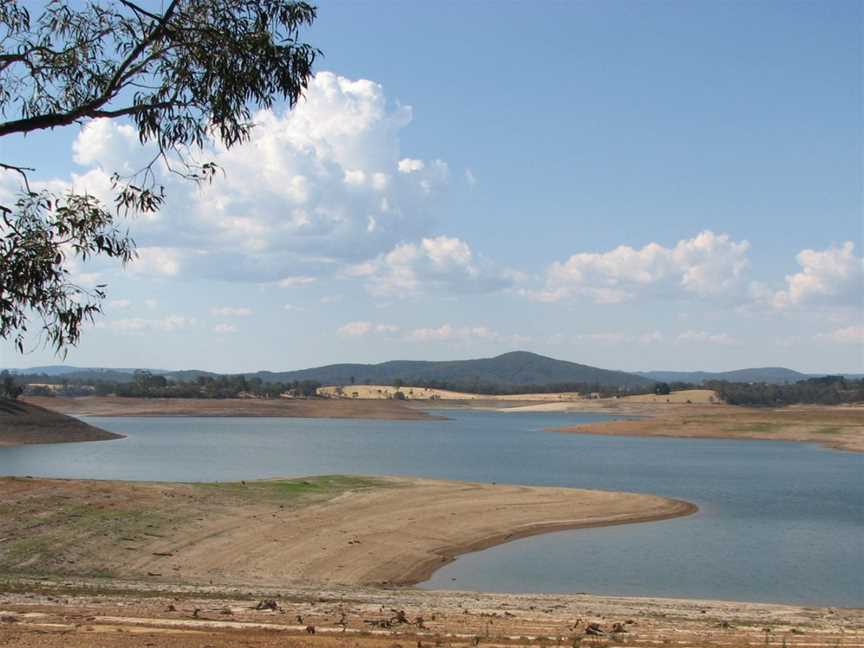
<point x="778" y="522"/>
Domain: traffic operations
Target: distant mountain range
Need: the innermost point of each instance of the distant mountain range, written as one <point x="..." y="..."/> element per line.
<point x="510" y="369"/>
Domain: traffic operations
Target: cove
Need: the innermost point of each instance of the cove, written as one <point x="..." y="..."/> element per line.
<point x="778" y="522"/>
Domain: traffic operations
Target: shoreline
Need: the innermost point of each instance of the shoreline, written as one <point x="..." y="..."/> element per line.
<point x="835" y="427"/>
<point x="424" y="571"/>
<point x="337" y="530"/>
<point x="117" y="406"/>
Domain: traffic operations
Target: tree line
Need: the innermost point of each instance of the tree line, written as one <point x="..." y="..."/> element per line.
<point x="145" y="384"/>
<point x="826" y="390"/>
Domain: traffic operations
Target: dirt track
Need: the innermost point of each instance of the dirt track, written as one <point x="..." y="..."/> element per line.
<point x="333" y="530"/>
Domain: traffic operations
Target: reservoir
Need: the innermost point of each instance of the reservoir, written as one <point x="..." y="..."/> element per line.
<point x="778" y="522"/>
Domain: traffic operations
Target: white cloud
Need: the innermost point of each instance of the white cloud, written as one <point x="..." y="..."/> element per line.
<point x="152" y="304"/>
<point x="355" y="329"/>
<point x="290" y="282"/>
<point x="224" y="329"/>
<point x="704" y="337"/>
<point x="407" y="165"/>
<point x="119" y="304"/>
<point x="158" y="261"/>
<point x="168" y="324"/>
<point x="447" y="332"/>
<point x="847" y="335"/>
<point x="470" y="178"/>
<point x="612" y="338"/>
<point x="230" y="311"/>
<point x="435" y="263"/>
<point x="832" y="276"/>
<point x="316" y="187"/>
<point x="361" y="328"/>
<point x="707" y="265"/>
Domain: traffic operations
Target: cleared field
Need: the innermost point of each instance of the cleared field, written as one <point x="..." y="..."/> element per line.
<point x="695" y="396"/>
<point x="386" y="392"/>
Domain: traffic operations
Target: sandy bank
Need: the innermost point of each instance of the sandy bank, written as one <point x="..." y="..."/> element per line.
<point x="838" y="427"/>
<point x="326" y="530"/>
<point x="88" y="614"/>
<point x="277" y="407"/>
<point x="22" y="423"/>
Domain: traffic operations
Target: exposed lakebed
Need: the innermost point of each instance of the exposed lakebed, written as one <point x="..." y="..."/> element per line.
<point x="779" y="522"/>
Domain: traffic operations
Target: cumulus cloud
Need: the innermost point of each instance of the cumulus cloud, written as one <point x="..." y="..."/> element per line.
<point x="434" y="263"/>
<point x="847" y="335"/>
<point x="833" y="276"/>
<point x="321" y="184"/>
<point x="231" y="311"/>
<point x="707" y="265"/>
<point x="361" y="328"/>
<point x="157" y="261"/>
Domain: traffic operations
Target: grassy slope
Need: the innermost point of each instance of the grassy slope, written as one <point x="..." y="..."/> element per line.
<point x="59" y="526"/>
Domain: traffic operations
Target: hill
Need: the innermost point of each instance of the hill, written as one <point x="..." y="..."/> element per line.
<point x="770" y="375"/>
<point x="507" y="370"/>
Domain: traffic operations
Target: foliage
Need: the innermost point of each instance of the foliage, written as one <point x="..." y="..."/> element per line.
<point x="182" y="75"/>
<point x="9" y="387"/>
<point x="662" y="389"/>
<point x="827" y="390"/>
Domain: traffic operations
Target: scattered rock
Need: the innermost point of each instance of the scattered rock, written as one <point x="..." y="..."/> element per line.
<point x="594" y="629"/>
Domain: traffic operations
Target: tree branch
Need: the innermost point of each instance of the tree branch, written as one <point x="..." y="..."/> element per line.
<point x="20" y="170"/>
<point x="52" y="120"/>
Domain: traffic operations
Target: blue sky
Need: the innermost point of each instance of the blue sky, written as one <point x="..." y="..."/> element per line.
<point x="656" y="185"/>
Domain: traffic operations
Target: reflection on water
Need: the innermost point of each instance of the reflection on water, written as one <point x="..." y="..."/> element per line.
<point x="778" y="521"/>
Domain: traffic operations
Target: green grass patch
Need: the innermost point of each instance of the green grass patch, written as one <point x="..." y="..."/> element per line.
<point x="322" y="486"/>
<point x="829" y="429"/>
<point x="756" y="428"/>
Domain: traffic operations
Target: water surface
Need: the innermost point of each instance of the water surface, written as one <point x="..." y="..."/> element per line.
<point x="779" y="522"/>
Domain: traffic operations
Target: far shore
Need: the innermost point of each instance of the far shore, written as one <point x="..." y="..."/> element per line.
<point x="328" y="530"/>
<point x="239" y="407"/>
<point x="839" y="427"/>
<point x="689" y="414"/>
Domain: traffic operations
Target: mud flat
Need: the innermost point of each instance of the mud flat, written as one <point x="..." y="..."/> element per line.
<point x="275" y="407"/>
<point x="333" y="530"/>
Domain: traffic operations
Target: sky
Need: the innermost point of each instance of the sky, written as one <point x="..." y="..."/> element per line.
<point x="637" y="186"/>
